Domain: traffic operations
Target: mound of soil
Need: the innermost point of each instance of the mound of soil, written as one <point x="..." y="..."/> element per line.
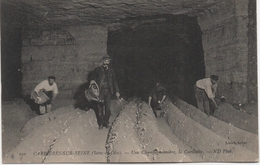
<point x="208" y="144"/>
<point x="37" y="144"/>
<point x="157" y="147"/>
<point x="122" y="144"/>
<point x="78" y="141"/>
<point x="227" y="113"/>
<point x="41" y="120"/>
<point x="227" y="131"/>
<point x="15" y="114"/>
<point x="69" y="135"/>
<point x="63" y="135"/>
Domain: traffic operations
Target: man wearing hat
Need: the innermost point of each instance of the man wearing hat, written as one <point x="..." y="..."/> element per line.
<point x="157" y="97"/>
<point x="205" y="91"/>
<point x="44" y="93"/>
<point x="104" y="76"/>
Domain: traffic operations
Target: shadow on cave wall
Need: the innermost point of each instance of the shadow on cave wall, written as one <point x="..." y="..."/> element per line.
<point x="169" y="51"/>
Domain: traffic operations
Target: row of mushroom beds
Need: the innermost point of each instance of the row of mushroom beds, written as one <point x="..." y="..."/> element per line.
<point x="68" y="135"/>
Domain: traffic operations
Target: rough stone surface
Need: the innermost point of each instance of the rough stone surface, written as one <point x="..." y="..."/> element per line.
<point x="252" y="53"/>
<point x="59" y="13"/>
<point x="228" y="37"/>
<point x="225" y="47"/>
<point x="70" y="63"/>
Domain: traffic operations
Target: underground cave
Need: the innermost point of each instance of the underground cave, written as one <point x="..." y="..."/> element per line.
<point x="175" y="42"/>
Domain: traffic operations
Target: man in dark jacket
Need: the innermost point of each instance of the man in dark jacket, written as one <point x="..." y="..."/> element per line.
<point x="106" y="80"/>
<point x="157" y="96"/>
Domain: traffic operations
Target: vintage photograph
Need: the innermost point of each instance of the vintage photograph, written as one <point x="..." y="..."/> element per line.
<point x="129" y="81"/>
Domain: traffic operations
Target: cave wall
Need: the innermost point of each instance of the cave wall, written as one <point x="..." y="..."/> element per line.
<point x="228" y="39"/>
<point x="10" y="52"/>
<point x="68" y="53"/>
<point x="225" y="43"/>
<point x="252" y="53"/>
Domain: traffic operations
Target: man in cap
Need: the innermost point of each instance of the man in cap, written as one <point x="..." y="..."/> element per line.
<point x="205" y="91"/>
<point x="157" y="96"/>
<point x="46" y="90"/>
<point x="104" y="76"/>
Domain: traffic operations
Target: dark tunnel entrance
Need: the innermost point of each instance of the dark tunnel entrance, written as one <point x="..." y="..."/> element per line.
<point x="10" y="54"/>
<point x="170" y="51"/>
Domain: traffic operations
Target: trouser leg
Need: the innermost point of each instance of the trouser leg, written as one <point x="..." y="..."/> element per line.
<point x="206" y="107"/>
<point x="154" y="105"/>
<point x="200" y="105"/>
<point x="199" y="98"/>
<point x="48" y="107"/>
<point x="48" y="103"/>
<point x="107" y="103"/>
<point x="98" y="108"/>
<point x="43" y="108"/>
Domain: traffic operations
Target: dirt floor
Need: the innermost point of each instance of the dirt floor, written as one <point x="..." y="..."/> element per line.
<point x="182" y="134"/>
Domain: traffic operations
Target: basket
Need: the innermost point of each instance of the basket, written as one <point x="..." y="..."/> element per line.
<point x="158" y="112"/>
<point x="92" y="92"/>
<point x="40" y="98"/>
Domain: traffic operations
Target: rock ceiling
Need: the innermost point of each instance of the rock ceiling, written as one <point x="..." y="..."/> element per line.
<point x="57" y="13"/>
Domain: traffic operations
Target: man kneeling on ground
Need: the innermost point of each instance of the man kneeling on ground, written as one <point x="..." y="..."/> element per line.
<point x="44" y="93"/>
<point x="157" y="97"/>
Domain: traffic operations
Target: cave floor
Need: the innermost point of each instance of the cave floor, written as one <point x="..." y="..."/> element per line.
<point x="15" y="115"/>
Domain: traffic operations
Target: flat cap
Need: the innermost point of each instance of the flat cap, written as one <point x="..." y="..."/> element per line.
<point x="214" y="77"/>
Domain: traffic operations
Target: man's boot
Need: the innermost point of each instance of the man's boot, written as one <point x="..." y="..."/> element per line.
<point x="207" y="108"/>
<point x="42" y="109"/>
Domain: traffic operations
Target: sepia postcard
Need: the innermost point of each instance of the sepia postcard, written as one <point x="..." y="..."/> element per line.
<point x="131" y="81"/>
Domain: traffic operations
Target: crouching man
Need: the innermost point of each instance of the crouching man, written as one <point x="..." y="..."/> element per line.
<point x="44" y="93"/>
<point x="156" y="98"/>
<point x="205" y="93"/>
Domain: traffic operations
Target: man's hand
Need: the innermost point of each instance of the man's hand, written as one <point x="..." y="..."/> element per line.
<point x="216" y="105"/>
<point x="117" y="94"/>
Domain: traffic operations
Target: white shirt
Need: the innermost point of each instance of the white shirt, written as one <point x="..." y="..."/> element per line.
<point x="47" y="87"/>
<point x="207" y="85"/>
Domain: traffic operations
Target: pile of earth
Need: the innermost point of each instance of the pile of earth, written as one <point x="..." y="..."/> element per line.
<point x="182" y="134"/>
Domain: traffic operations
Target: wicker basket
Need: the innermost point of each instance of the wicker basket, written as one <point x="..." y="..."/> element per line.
<point x="158" y="112"/>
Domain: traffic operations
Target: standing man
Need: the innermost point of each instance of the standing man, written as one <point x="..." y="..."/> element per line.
<point x="205" y="91"/>
<point x="106" y="80"/>
<point x="47" y="90"/>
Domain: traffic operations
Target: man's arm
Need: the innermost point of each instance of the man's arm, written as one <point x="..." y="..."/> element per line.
<point x="55" y="91"/>
<point x="40" y="87"/>
<point x="163" y="98"/>
<point x="149" y="100"/>
<point x="54" y="96"/>
<point x="211" y="95"/>
<point x="115" y="84"/>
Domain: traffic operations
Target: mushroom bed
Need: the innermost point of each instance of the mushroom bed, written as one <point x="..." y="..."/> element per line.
<point x="182" y="134"/>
